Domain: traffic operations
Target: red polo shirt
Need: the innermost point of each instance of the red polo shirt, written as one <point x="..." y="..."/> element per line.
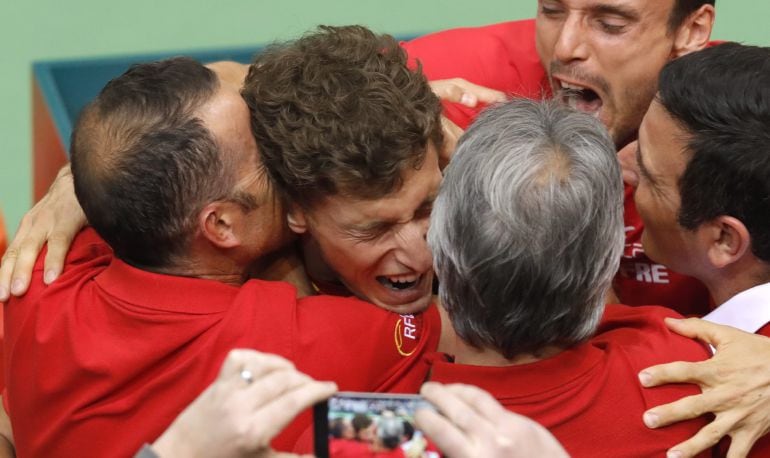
<point x="500" y="56"/>
<point x="106" y="357"/>
<point x="589" y="396"/>
<point x="504" y="57"/>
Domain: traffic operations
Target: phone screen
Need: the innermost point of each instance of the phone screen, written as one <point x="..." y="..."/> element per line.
<point x="371" y="424"/>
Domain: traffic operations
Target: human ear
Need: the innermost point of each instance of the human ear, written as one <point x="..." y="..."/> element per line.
<point x="297" y="219"/>
<point x="728" y="240"/>
<point x="694" y="32"/>
<point x="217" y="222"/>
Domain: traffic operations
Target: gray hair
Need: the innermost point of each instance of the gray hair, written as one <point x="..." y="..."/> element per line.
<point x="527" y="230"/>
<point x="389" y="430"/>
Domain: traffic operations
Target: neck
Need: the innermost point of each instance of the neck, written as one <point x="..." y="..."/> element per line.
<point x="735" y="279"/>
<point x="284" y="265"/>
<point x="467" y="354"/>
<point x="204" y="261"/>
<point x="317" y="269"/>
<point x="221" y="273"/>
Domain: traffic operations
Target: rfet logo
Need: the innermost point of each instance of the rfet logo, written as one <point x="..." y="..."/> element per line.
<point x="407" y="334"/>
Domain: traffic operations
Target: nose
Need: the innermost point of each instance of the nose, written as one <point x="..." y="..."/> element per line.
<point x="412" y="250"/>
<point x="571" y="42"/>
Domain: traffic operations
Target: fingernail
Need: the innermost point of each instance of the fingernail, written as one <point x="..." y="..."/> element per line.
<point x="468" y="100"/>
<point x="645" y="378"/>
<point x="17" y="286"/>
<point x="3" y="294"/>
<point x="50" y="276"/>
<point x="651" y="420"/>
<point x="674" y="454"/>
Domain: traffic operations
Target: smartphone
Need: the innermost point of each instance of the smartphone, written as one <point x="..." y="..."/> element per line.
<point x="370" y="424"/>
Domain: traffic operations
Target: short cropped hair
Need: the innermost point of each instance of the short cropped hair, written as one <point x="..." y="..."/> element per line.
<point x="360" y="422"/>
<point x="338" y="112"/>
<point x="721" y="98"/>
<point x="682" y="9"/>
<point x="527" y="230"/>
<point x="144" y="164"/>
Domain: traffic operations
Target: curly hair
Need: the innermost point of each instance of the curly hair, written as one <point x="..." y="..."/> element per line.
<point x="338" y="112"/>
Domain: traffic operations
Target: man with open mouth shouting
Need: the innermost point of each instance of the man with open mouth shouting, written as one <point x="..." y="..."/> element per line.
<point x="604" y="57"/>
<point x="351" y="137"/>
<point x="601" y="57"/>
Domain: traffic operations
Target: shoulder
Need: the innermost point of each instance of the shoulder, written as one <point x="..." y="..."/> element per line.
<point x="352" y="315"/>
<point x="635" y="338"/>
<point x="86" y="246"/>
<point x="502" y="56"/>
<point x="335" y="334"/>
<point x="514" y="34"/>
<point x="278" y="292"/>
<point x="640" y="334"/>
<point x="87" y="256"/>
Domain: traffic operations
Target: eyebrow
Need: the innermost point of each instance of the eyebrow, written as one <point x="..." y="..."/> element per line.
<point x="615" y="10"/>
<point x="381" y="224"/>
<point x="374" y="226"/>
<point x="606" y="8"/>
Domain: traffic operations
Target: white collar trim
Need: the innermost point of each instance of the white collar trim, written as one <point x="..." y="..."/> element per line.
<point x="748" y="310"/>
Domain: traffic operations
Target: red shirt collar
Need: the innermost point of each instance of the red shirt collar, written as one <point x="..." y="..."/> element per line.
<point x="522" y="379"/>
<point x="165" y="292"/>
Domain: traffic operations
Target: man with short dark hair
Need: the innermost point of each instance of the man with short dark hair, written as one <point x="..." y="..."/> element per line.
<point x="601" y="57"/>
<point x="526" y="234"/>
<point x="151" y="150"/>
<point x="704" y="169"/>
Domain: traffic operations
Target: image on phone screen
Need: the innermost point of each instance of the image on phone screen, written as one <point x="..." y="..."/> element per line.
<point x="371" y="425"/>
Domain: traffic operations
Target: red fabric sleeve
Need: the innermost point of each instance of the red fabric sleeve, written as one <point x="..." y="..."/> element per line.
<point x="499" y="56"/>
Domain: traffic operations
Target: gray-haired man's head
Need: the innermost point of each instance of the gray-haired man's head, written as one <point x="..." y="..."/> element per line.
<point x="527" y="230"/>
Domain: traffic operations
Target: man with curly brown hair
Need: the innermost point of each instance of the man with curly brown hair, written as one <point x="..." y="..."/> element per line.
<point x="350" y="137"/>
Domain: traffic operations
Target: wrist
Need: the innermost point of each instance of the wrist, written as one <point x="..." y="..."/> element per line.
<point x="168" y="445"/>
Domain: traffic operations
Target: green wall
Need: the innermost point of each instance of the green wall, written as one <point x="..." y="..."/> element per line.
<point x="47" y="29"/>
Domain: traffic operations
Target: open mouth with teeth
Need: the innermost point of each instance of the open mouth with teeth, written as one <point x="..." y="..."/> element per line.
<point x="581" y="98"/>
<point x="403" y="293"/>
<point x="399" y="283"/>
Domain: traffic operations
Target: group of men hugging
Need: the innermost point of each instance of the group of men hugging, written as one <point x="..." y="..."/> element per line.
<point x="318" y="205"/>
